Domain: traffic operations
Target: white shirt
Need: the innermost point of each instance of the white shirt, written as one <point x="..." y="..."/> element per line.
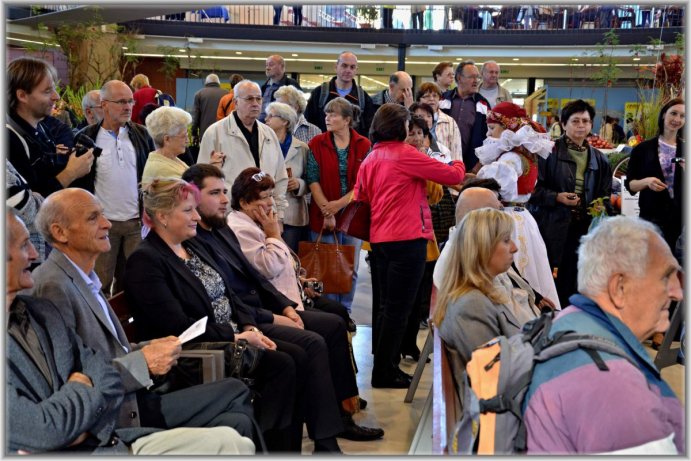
<point x="490" y="95"/>
<point x="116" y="179"/>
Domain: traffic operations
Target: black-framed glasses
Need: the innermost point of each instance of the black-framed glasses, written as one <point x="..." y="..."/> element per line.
<point x="259" y="176"/>
<point x="122" y="102"/>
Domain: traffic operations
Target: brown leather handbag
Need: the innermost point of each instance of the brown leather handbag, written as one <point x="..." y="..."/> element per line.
<point x="332" y="263"/>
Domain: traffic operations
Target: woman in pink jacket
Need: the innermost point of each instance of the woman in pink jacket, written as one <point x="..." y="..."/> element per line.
<point x="392" y="179"/>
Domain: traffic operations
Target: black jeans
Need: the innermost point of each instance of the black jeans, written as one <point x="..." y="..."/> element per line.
<point x="400" y="266"/>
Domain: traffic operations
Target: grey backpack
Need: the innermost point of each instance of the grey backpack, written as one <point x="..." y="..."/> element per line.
<point x="497" y="380"/>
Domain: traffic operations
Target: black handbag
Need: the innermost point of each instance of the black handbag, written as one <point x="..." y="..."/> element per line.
<point x="241" y="360"/>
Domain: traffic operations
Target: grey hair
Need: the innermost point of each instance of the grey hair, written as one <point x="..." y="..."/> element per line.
<point x="284" y="111"/>
<point x="88" y="100"/>
<point x="293" y="96"/>
<point x="462" y="65"/>
<point x="52" y="211"/>
<point x="242" y="84"/>
<point x="166" y="121"/>
<point x="107" y="88"/>
<point x="211" y="78"/>
<point x="619" y="244"/>
<point x="482" y="70"/>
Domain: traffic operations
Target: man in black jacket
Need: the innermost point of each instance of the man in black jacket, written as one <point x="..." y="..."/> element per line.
<point x="115" y="177"/>
<point x="255" y="291"/>
<point x="342" y="85"/>
<point x="276" y="73"/>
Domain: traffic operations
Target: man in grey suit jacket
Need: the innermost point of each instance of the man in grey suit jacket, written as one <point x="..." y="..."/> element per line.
<point x="62" y="395"/>
<point x="72" y="221"/>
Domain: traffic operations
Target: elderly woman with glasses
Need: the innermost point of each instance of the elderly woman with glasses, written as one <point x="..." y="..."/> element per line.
<point x="282" y="119"/>
<point x="332" y="168"/>
<point x="392" y="179"/>
<point x="303" y="129"/>
<point x="444" y="128"/>
<point x="168" y="128"/>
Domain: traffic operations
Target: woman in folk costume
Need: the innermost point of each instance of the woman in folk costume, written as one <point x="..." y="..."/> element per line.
<point x="509" y="155"/>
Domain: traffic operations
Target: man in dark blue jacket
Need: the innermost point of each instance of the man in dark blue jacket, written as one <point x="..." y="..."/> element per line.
<point x="469" y="109"/>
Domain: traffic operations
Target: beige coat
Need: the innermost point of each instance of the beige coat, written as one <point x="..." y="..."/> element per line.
<point x="225" y="136"/>
<point x="296" y="160"/>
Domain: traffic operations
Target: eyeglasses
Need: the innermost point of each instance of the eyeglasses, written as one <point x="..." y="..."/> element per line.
<point x="259" y="176"/>
<point x="256" y="99"/>
<point x="268" y="116"/>
<point x="471" y="77"/>
<point x="122" y="102"/>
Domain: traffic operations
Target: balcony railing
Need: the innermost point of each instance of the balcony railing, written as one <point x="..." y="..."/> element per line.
<point x="439" y="17"/>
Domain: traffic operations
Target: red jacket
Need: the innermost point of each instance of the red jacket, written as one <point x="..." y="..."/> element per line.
<point x="142" y="97"/>
<point x="324" y="153"/>
<point x="392" y="179"/>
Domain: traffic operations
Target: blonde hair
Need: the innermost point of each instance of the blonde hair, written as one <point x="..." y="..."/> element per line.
<point x="162" y="195"/>
<point x="139" y="81"/>
<point x="474" y="242"/>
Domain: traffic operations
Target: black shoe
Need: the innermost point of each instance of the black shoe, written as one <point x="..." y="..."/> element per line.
<point x="414" y="355"/>
<point x="363" y="403"/>
<point x="351" y="327"/>
<point x="359" y="433"/>
<point x="396" y="382"/>
<point x="329" y="445"/>
<point x="403" y="374"/>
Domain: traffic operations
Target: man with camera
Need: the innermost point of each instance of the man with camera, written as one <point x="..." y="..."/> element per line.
<point x="45" y="164"/>
<point x="126" y="146"/>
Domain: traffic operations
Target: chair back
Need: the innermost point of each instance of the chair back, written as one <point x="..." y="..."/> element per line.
<point x="119" y="304"/>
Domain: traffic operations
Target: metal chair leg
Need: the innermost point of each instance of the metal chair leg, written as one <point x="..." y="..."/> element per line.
<point x="424" y="355"/>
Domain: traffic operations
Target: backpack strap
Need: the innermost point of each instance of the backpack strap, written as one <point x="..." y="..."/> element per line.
<point x="12" y="126"/>
<point x="323" y="96"/>
<point x="225" y="108"/>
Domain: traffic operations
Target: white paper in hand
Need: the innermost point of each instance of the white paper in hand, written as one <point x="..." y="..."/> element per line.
<point x="198" y="328"/>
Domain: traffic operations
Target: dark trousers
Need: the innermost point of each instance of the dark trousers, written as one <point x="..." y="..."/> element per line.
<point x="221" y="403"/>
<point x="566" y="281"/>
<point x="418" y="21"/>
<point x="376" y="295"/>
<point x="277" y="14"/>
<point x="400" y="266"/>
<point x="387" y="18"/>
<point x="419" y="311"/>
<point x="297" y="15"/>
<point x="311" y="355"/>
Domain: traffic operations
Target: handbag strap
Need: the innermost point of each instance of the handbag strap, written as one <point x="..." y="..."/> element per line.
<point x="316" y="244"/>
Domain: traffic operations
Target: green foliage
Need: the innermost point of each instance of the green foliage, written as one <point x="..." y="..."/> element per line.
<point x="171" y="63"/>
<point x="368" y="13"/>
<point x="73" y="98"/>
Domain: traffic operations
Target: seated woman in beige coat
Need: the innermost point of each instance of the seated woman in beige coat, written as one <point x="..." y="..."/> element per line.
<point x="475" y="301"/>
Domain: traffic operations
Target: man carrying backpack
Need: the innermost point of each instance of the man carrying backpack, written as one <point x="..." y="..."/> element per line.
<point x="343" y="85"/>
<point x="627" y="279"/>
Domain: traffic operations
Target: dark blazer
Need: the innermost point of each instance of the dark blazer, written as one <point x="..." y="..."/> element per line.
<point x="58" y="280"/>
<point x="258" y="292"/>
<point x="142" y="142"/>
<point x="479" y="131"/>
<point x="657" y="207"/>
<point x="285" y="81"/>
<point x="41" y="418"/>
<point x="166" y="298"/>
<point x="557" y="174"/>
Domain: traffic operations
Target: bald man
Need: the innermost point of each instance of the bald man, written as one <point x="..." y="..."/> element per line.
<point x="400" y="90"/>
<point x="342" y="85"/>
<point x="472" y="199"/>
<point x="276" y="78"/>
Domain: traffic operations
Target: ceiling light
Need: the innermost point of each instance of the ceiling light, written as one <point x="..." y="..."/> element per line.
<point x="238" y="52"/>
<point x="636" y="59"/>
<point x="124" y="47"/>
<point x="574" y="59"/>
<point x="295" y="55"/>
<point x="182" y="50"/>
<point x="515" y="59"/>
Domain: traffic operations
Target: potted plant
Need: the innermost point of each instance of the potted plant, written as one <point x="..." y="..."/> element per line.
<point x="369" y="14"/>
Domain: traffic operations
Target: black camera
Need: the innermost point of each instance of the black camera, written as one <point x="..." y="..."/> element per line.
<point x="677" y="159"/>
<point x="82" y="143"/>
<point x="316" y="286"/>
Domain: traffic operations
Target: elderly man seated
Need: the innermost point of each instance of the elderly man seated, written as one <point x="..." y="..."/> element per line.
<point x="627" y="279"/>
<point x="62" y="395"/>
<point x="72" y="221"/>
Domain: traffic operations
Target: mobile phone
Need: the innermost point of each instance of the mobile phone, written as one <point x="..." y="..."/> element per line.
<point x="290" y="171"/>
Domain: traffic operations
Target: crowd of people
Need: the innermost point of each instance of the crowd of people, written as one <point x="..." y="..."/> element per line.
<point x="465" y="192"/>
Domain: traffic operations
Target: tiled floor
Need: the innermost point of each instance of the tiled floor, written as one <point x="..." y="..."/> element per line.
<point x="385" y="408"/>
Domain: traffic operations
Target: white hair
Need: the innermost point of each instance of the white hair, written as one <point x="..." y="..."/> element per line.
<point x="292" y="96"/>
<point x="240" y="87"/>
<point x="619" y="244"/>
<point x="285" y="112"/>
<point x="211" y="78"/>
<point x="166" y="121"/>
